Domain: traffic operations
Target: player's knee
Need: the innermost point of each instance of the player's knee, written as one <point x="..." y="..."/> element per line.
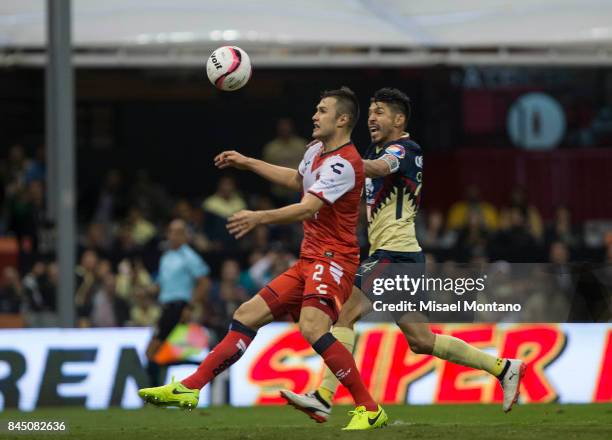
<point x="245" y="314"/>
<point x="346" y="321"/>
<point x="420" y="343"/>
<point x="241" y="313"/>
<point x="349" y="316"/>
<point x="311" y="330"/>
<point x="254" y="313"/>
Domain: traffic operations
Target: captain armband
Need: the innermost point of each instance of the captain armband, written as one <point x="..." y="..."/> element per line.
<point x="392" y="161"/>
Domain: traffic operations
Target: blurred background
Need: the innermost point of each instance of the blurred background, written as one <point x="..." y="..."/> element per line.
<point x="512" y="104"/>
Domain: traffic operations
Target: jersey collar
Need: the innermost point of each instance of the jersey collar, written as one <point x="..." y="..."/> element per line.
<point x="323" y="153"/>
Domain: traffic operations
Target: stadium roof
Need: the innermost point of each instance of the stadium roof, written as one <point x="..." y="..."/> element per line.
<point x="319" y="32"/>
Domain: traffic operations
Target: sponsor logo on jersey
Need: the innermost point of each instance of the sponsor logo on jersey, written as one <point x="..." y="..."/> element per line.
<point x="397" y="150"/>
<point x="418" y="161"/>
<point x="337" y="168"/>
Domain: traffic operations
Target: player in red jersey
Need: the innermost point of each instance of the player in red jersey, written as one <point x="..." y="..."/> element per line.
<point x="331" y="177"/>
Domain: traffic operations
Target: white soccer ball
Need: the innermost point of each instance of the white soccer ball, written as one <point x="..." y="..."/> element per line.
<point x="228" y="68"/>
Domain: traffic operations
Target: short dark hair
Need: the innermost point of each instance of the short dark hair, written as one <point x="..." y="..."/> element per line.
<point x="347" y="103"/>
<point x="395" y="98"/>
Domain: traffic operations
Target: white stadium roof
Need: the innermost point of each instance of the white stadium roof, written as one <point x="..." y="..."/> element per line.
<point x="318" y="32"/>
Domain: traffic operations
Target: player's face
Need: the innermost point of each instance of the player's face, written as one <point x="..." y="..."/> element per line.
<point x="177" y="235"/>
<point x="381" y="122"/>
<point x="324" y="119"/>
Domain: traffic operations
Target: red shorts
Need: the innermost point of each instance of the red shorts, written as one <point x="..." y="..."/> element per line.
<point x="323" y="284"/>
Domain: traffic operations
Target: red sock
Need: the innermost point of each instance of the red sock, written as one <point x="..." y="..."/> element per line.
<point x="228" y="351"/>
<point x="341" y="363"/>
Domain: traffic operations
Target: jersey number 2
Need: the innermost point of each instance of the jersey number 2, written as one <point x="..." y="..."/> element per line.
<point x="321" y="288"/>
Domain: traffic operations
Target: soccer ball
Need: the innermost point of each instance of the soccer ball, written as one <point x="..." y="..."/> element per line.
<point x="228" y="68"/>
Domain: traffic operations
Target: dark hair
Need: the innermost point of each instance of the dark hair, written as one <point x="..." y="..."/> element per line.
<point x="395" y="98"/>
<point x="347" y="103"/>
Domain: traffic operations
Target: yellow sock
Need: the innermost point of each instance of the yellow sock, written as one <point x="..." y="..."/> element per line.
<point x="459" y="352"/>
<point x="326" y="394"/>
<point x="330" y="383"/>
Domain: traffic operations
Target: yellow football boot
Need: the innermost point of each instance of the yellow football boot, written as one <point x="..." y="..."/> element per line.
<point x="363" y="419"/>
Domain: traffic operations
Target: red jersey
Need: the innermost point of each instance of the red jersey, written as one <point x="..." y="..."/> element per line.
<point x="337" y="178"/>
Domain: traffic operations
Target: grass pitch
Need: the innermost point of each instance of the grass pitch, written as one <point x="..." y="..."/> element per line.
<point x="455" y="422"/>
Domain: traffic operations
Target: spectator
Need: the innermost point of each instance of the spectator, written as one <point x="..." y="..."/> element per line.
<point x="86" y="283"/>
<point x="228" y="289"/>
<point x="145" y="311"/>
<point x="562" y="278"/>
<point x="142" y="230"/>
<point x="226" y="295"/>
<point x="132" y="277"/>
<point x="275" y="262"/>
<point x="108" y="310"/>
<point x="286" y="150"/>
<point x="86" y="310"/>
<point x="513" y="242"/>
<point x="459" y="213"/>
<point x="40" y="288"/>
<point x="183" y="210"/>
<point x="559" y="253"/>
<point x="103" y="268"/>
<point x="11" y="291"/>
<point x="33" y="283"/>
<point x="194" y="221"/>
<point x="124" y="245"/>
<point x="25" y="215"/>
<point x="128" y="246"/>
<point x="226" y="200"/>
<point x="561" y="229"/>
<point x="533" y="219"/>
<point x="96" y="239"/>
<point x="51" y="284"/>
<point x="258" y="240"/>
<point x="149" y="197"/>
<point x="15" y="168"/>
<point x="245" y="277"/>
<point x="35" y="169"/>
<point x="218" y="207"/>
<point x="432" y="234"/>
<point x="111" y="199"/>
<point x="472" y="238"/>
<point x="260" y="272"/>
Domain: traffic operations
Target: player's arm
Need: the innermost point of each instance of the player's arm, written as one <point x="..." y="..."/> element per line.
<point x="387" y="164"/>
<point x="243" y="222"/>
<point x="200" y="292"/>
<point x="305" y="209"/>
<point x="276" y="174"/>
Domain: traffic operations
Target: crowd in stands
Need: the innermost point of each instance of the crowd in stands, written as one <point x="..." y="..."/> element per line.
<point x="122" y="236"/>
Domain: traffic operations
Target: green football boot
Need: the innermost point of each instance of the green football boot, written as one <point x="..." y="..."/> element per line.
<point x="173" y="394"/>
<point x="363" y="420"/>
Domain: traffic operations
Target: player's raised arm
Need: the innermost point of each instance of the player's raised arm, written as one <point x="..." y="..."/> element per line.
<point x="243" y="222"/>
<point x="381" y="167"/>
<point x="276" y="174"/>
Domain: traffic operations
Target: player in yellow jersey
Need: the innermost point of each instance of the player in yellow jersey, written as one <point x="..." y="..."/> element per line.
<point x="394" y="170"/>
